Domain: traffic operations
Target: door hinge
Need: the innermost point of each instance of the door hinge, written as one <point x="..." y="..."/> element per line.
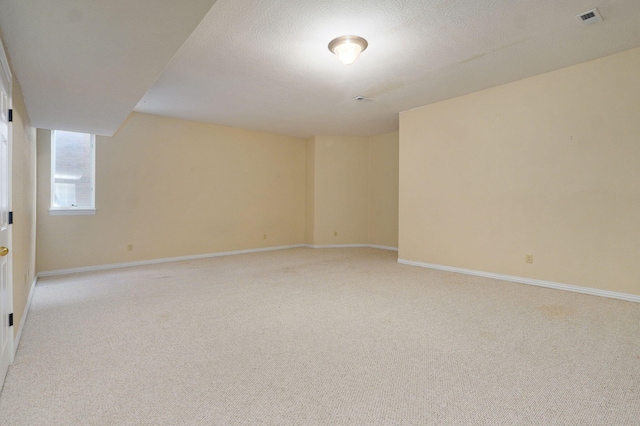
<point x="10" y="218"/>
<point x="11" y="319"/>
<point x="10" y="115"/>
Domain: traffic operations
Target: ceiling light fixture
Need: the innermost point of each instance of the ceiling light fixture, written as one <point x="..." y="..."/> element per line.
<point x="348" y="47"/>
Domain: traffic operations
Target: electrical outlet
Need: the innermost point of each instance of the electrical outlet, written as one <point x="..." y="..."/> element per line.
<point x="529" y="258"/>
<point x="129" y="247"/>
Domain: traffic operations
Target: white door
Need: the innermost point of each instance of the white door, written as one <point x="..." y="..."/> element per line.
<point x="6" y="297"/>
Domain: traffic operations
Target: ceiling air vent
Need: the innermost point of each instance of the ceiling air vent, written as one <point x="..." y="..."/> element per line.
<point x="590" y="17"/>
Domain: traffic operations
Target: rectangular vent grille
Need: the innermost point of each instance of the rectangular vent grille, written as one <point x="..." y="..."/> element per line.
<point x="589" y="17"/>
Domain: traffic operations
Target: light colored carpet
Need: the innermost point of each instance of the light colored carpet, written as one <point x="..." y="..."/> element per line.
<point x="324" y="336"/>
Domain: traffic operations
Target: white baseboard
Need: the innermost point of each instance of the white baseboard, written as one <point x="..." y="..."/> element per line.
<point x="163" y="260"/>
<point x="383" y="247"/>
<point x="530" y="281"/>
<point x="195" y="257"/>
<point x="322" y="246"/>
<point x="16" y="340"/>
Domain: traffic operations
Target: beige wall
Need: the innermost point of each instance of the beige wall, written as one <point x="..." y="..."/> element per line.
<point x="352" y="190"/>
<point x="383" y="190"/>
<point x="176" y="188"/>
<point x="548" y="166"/>
<point x="23" y="203"/>
<point x="340" y="190"/>
<point x="310" y="171"/>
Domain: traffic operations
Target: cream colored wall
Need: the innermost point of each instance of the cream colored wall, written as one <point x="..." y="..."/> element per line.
<point x="352" y="190"/>
<point x="176" y="188"/>
<point x="383" y="190"/>
<point x="310" y="171"/>
<point x="23" y="204"/>
<point x="548" y="166"/>
<point x="341" y="190"/>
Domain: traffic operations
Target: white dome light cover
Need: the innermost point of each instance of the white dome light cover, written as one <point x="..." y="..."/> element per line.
<point x="348" y="47"/>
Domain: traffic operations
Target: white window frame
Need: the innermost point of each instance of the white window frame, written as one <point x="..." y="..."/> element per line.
<point x="68" y="211"/>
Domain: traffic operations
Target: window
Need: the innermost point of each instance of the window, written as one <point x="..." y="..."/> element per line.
<point x="72" y="173"/>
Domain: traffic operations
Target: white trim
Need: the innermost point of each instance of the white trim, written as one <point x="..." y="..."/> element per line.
<point x="71" y="212"/>
<point x="7" y="69"/>
<point x="195" y="257"/>
<point x="383" y="247"/>
<point x="16" y="340"/>
<point x="323" y="246"/>
<point x="163" y="260"/>
<point x="530" y="281"/>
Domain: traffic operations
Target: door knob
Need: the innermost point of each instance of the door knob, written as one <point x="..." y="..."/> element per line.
<point x="4" y="251"/>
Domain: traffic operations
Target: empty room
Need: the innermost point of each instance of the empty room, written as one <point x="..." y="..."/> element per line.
<point x="406" y="212"/>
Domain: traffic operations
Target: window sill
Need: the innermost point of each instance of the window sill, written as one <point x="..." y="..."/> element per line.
<point x="71" y="212"/>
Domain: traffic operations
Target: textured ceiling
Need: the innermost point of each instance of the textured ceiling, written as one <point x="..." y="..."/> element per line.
<point x="83" y="65"/>
<point x="265" y="65"/>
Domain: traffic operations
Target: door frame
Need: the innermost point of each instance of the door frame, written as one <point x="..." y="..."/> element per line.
<point x="4" y="68"/>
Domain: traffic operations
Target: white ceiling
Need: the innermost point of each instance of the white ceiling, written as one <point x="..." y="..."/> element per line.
<point x="83" y="65"/>
<point x="265" y="65"/>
